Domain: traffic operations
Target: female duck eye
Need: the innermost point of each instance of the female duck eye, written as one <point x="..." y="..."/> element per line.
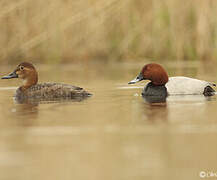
<point x="21" y="67"/>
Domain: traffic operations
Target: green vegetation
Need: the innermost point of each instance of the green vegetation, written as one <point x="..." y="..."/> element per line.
<point x="55" y="31"/>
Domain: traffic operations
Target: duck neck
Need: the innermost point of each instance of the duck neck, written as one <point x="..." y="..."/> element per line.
<point x="28" y="82"/>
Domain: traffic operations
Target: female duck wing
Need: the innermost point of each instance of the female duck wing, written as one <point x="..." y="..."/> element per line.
<point x="53" y="90"/>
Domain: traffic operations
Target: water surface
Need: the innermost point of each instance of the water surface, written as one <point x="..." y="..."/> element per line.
<point x="114" y="134"/>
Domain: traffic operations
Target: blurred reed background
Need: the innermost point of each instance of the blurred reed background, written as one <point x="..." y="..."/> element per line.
<point x="110" y="30"/>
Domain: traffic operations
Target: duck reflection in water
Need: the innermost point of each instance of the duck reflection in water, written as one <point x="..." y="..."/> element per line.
<point x="37" y="101"/>
<point x="27" y="110"/>
<point x="155" y="100"/>
<point x="155" y="108"/>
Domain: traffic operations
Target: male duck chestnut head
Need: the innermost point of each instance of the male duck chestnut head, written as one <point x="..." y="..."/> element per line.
<point x="153" y="72"/>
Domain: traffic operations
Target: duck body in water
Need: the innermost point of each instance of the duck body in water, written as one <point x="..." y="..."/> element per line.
<point x="162" y="85"/>
<point x="30" y="89"/>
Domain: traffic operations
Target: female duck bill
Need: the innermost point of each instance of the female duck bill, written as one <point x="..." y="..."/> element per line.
<point x="10" y="76"/>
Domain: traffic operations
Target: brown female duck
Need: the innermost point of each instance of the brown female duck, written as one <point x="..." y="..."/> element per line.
<point x="30" y="89"/>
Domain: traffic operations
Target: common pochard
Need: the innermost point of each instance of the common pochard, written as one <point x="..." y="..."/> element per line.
<point x="30" y="89"/>
<point x="161" y="85"/>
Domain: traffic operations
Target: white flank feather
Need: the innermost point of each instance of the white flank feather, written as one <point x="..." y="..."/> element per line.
<point x="183" y="85"/>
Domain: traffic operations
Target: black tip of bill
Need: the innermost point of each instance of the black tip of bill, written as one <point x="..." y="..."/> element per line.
<point x="131" y="82"/>
<point x="137" y="79"/>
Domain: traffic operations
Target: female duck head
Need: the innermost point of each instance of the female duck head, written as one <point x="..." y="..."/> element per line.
<point x="153" y="72"/>
<point x="25" y="71"/>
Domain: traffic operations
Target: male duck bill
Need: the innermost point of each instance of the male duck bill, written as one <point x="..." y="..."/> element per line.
<point x="161" y="85"/>
<point x="30" y="89"/>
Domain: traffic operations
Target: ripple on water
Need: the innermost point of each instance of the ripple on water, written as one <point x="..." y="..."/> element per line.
<point x="7" y="88"/>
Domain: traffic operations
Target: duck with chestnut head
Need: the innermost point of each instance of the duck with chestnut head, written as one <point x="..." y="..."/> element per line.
<point x="162" y="85"/>
<point x="30" y="89"/>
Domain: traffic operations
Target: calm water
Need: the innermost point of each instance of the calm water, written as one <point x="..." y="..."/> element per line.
<point x="114" y="134"/>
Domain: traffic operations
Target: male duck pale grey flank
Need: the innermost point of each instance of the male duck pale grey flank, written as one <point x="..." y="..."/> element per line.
<point x="30" y="89"/>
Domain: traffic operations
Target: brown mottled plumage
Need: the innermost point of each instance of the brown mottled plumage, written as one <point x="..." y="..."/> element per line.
<point x="44" y="91"/>
<point x="52" y="90"/>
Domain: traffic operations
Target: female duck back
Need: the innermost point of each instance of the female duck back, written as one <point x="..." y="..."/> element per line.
<point x="52" y="90"/>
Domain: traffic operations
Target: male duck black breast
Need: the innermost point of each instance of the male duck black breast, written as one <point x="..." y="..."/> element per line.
<point x="30" y="89"/>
